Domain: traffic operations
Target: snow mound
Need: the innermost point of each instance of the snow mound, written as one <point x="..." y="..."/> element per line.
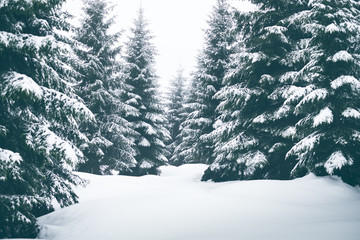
<point x="177" y="206"/>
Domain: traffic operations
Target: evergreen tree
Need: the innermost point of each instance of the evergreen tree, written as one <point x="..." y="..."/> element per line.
<point x="175" y="110"/>
<point x="148" y="119"/>
<point x="327" y="129"/>
<point x="39" y="115"/>
<point x="101" y="88"/>
<point x="253" y="128"/>
<point x="189" y="134"/>
<point x="290" y="101"/>
<point x="208" y="81"/>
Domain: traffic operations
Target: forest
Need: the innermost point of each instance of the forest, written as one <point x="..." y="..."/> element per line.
<point x="275" y="96"/>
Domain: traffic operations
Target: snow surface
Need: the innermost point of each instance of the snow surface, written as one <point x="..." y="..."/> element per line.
<point x="325" y="116"/>
<point x="350" y="112"/>
<point x="346" y="80"/>
<point x="332" y="28"/>
<point x="342" y="56"/>
<point x="336" y="160"/>
<point x="24" y="83"/>
<point x="177" y="206"/>
<point x="9" y="156"/>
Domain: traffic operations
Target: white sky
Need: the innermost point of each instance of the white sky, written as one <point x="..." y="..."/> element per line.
<point x="177" y="27"/>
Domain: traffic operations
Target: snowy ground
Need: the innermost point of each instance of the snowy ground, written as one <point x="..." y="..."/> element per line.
<point x="177" y="206"/>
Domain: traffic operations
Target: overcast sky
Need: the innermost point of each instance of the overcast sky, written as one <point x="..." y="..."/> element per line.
<point x="177" y="27"/>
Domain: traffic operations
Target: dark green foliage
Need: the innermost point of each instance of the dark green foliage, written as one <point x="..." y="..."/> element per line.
<point x="329" y="112"/>
<point x="146" y="114"/>
<point x="198" y="143"/>
<point x="176" y="114"/>
<point x="290" y="104"/>
<point x="101" y="88"/>
<point x="39" y="115"/>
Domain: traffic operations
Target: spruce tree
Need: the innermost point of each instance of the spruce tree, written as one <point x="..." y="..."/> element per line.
<point x="189" y="134"/>
<point x="290" y="103"/>
<point x="148" y="119"/>
<point x="253" y="126"/>
<point x="39" y="115"/>
<point x="208" y="81"/>
<point x="101" y="88"/>
<point x="175" y="111"/>
<point x="327" y="129"/>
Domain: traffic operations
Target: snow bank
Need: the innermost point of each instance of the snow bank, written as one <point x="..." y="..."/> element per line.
<point x="177" y="206"/>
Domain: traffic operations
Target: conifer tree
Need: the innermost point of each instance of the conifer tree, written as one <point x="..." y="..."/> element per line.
<point x="39" y="115"/>
<point x="327" y="128"/>
<point x="189" y="134"/>
<point x="175" y="111"/>
<point x="208" y="81"/>
<point x="286" y="103"/>
<point x="101" y="88"/>
<point x="253" y="126"/>
<point x="141" y="94"/>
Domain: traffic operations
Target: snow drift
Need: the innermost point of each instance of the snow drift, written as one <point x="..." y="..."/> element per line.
<point x="177" y="206"/>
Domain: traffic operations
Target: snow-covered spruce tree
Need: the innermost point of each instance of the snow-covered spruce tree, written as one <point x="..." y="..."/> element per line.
<point x="189" y="134"/>
<point x="252" y="129"/>
<point x="175" y="111"/>
<point x="328" y="128"/>
<point x="39" y="115"/>
<point x="101" y="88"/>
<point x="208" y="81"/>
<point x="148" y="119"/>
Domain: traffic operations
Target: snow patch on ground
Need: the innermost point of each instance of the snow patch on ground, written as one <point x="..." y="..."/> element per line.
<point x="177" y="206"/>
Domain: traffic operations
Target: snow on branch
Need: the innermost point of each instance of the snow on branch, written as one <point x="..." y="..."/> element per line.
<point x="325" y="116"/>
<point x="336" y="161"/>
<point x="302" y="148"/>
<point x="313" y="96"/>
<point x="253" y="161"/>
<point x="278" y="30"/>
<point x="333" y="28"/>
<point x="19" y="82"/>
<point x="341" y="56"/>
<point x="346" y="80"/>
<point x="8" y="156"/>
<point x="41" y="135"/>
<point x="351" y="113"/>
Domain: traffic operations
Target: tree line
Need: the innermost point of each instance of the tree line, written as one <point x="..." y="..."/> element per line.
<point x="275" y="95"/>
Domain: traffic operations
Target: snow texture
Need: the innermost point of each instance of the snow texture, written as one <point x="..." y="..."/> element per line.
<point x="325" y="116"/>
<point x="312" y="97"/>
<point x="146" y="165"/>
<point x="289" y="132"/>
<point x="343" y="56"/>
<point x="253" y="161"/>
<point x="351" y="113"/>
<point x="52" y="142"/>
<point x="177" y="206"/>
<point x="336" y="161"/>
<point x="293" y="93"/>
<point x="21" y="82"/>
<point x="332" y="28"/>
<point x="144" y="143"/>
<point x="346" y="80"/>
<point x="278" y="30"/>
<point x="9" y="156"/>
<point x="304" y="146"/>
